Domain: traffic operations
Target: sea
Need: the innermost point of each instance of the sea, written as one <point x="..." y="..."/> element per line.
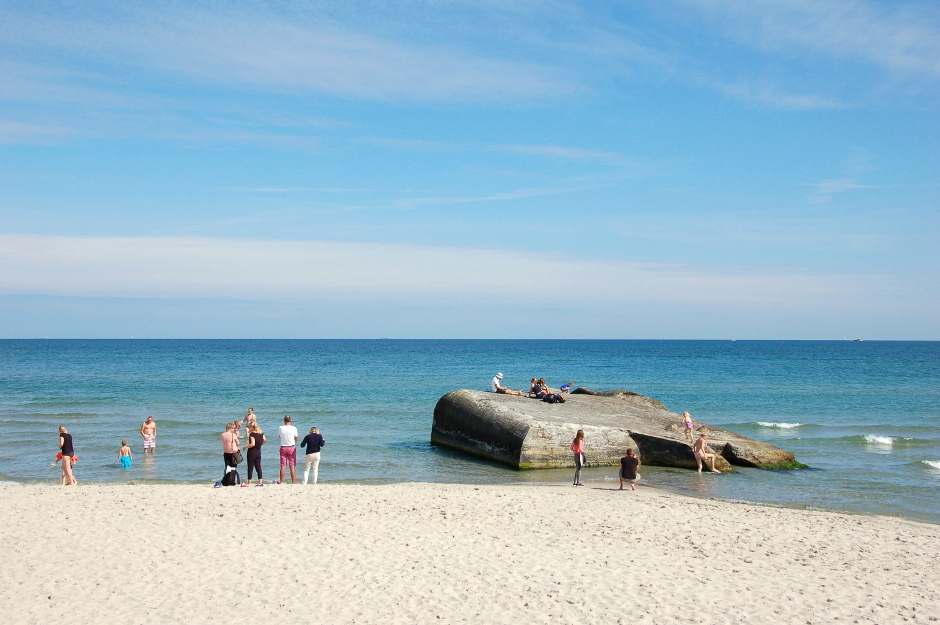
<point x="863" y="415"/>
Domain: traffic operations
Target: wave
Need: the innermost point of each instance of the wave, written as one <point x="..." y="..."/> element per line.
<point x="784" y="426"/>
<point x="893" y="441"/>
<point x="874" y="440"/>
<point x="933" y="464"/>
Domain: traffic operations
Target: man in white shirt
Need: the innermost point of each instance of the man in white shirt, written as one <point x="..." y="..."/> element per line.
<point x="288" y="436"/>
<point x="497" y="388"/>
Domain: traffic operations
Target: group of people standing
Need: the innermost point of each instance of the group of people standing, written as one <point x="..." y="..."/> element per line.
<point x="231" y="449"/>
<point x="313" y="442"/>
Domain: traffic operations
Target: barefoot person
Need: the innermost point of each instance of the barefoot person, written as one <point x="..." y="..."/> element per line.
<point x="688" y="425"/>
<point x="148" y="430"/>
<point x="577" y="446"/>
<point x="68" y="451"/>
<point x="628" y="466"/>
<point x="700" y="449"/>
<point x="498" y="388"/>
<point x="288" y="435"/>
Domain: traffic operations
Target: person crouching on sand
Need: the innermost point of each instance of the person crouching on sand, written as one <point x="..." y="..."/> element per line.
<point x="628" y="466"/>
<point x="700" y="449"/>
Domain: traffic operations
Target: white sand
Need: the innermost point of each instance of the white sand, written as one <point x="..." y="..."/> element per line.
<point x="431" y="553"/>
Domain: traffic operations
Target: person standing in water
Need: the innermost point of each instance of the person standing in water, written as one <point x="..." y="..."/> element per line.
<point x="68" y="450"/>
<point x="148" y="430"/>
<point x="577" y="446"/>
<point x="125" y="456"/>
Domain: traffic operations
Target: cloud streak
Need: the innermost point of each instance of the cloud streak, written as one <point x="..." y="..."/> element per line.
<point x="212" y="268"/>
<point x="895" y="37"/>
<point x="244" y="49"/>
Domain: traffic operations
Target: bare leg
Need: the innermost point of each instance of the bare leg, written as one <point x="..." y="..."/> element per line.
<point x="633" y="486"/>
<point x="621" y="482"/>
<point x="282" y="474"/>
<point x="699" y="461"/>
<point x="293" y="474"/>
<point x="68" y="479"/>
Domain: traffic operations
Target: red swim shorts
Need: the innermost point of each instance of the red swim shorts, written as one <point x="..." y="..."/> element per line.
<point x="288" y="456"/>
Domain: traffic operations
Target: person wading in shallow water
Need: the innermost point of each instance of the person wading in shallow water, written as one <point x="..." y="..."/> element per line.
<point x="148" y="430"/>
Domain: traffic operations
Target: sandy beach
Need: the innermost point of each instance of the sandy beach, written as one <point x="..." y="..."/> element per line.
<point x="431" y="553"/>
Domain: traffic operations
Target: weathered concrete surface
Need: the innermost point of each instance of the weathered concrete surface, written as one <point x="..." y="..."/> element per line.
<point x="528" y="433"/>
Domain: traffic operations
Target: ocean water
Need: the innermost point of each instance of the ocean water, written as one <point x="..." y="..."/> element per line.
<point x="865" y="416"/>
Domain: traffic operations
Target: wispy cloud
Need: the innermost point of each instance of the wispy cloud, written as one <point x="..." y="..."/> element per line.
<point x="312" y="270"/>
<point x="762" y="93"/>
<point x="564" y="152"/>
<point x="837" y="185"/>
<point x="251" y="48"/>
<point x="16" y="132"/>
<point x="897" y="37"/>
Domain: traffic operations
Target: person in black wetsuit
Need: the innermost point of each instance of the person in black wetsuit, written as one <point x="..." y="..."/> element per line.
<point x="68" y="450"/>
<point x="256" y="439"/>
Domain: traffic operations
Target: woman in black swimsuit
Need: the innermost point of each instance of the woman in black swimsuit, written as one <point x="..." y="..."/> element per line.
<point x="65" y="446"/>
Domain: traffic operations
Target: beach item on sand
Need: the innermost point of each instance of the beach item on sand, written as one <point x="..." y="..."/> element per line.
<point x="231" y="478"/>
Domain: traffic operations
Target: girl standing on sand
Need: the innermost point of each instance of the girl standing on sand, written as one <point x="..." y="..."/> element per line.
<point x="577" y="446"/>
<point x="65" y="446"/>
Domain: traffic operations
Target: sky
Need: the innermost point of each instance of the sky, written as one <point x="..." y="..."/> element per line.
<point x="682" y="169"/>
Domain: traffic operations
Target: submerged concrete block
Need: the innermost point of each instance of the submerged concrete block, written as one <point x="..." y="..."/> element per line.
<point x="526" y="433"/>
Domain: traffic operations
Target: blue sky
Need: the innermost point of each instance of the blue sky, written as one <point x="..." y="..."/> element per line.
<point x="680" y="169"/>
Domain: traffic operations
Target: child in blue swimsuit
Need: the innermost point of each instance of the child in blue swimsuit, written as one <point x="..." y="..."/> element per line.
<point x="125" y="455"/>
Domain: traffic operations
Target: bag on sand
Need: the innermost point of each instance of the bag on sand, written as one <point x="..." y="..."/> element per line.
<point x="554" y="398"/>
<point x="231" y="478"/>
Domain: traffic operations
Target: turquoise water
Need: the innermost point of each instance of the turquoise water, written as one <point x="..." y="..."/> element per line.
<point x="864" y="415"/>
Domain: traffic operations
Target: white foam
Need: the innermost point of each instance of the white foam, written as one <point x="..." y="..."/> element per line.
<point x="771" y="424"/>
<point x="878" y="440"/>
<point x="933" y="464"/>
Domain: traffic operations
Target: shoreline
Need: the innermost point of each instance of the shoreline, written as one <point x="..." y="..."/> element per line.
<point x="429" y="552"/>
<point x="596" y="483"/>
